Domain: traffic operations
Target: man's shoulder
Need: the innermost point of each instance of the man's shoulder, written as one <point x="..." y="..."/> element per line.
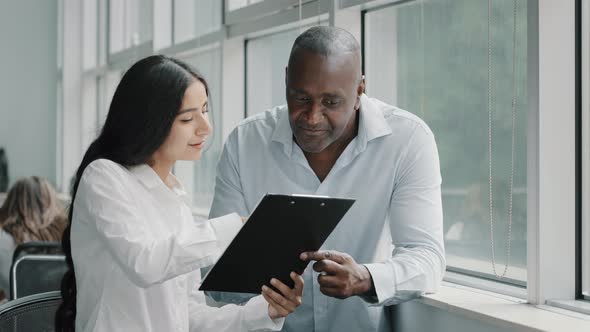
<point x="261" y="125"/>
<point x="399" y="119"/>
<point x="267" y="117"/>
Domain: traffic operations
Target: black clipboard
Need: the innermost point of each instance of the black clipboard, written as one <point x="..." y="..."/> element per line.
<point x="269" y="244"/>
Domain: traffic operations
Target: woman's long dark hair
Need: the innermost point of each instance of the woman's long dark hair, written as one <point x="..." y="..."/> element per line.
<point x="140" y="117"/>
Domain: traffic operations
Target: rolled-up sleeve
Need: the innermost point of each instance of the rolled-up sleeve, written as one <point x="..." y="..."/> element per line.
<point x="418" y="262"/>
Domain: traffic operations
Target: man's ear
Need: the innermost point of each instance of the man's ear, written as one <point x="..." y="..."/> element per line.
<point x="359" y="92"/>
<point x="286" y="75"/>
<point x="361" y="87"/>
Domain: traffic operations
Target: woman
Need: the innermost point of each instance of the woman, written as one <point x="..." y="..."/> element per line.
<point x="133" y="249"/>
<point x="31" y="212"/>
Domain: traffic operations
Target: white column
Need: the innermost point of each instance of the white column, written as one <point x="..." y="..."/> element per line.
<point x="232" y="73"/>
<point x="72" y="92"/>
<point x="551" y="152"/>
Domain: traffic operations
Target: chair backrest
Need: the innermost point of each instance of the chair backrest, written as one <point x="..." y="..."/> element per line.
<point x="32" y="274"/>
<point x="36" y="248"/>
<point x="34" y="313"/>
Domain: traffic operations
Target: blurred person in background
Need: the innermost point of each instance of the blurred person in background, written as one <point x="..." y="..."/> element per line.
<point x="31" y="212"/>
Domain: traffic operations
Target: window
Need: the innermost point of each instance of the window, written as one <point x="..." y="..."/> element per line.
<point x="130" y="24"/>
<point x="94" y="38"/>
<point x="162" y="24"/>
<point x="236" y="4"/>
<point x="90" y="23"/>
<point x="106" y="85"/>
<point x="208" y="63"/>
<point x="194" y="18"/>
<point x="431" y="58"/>
<point x="89" y="114"/>
<point x="266" y="60"/>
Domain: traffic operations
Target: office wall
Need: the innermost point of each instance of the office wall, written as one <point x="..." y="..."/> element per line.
<point x="28" y="83"/>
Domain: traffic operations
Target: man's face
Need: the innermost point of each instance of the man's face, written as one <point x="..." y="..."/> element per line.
<point x="323" y="95"/>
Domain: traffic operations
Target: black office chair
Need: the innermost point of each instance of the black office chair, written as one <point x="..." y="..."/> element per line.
<point x="36" y="248"/>
<point x="33" y="274"/>
<point x="34" y="313"/>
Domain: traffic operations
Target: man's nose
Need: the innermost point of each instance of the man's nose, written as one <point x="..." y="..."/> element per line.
<point x="315" y="114"/>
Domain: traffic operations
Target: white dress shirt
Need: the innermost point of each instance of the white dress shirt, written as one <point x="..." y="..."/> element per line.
<point x="395" y="226"/>
<point x="137" y="252"/>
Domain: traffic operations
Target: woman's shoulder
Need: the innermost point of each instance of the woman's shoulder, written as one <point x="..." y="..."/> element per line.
<point x="103" y="169"/>
<point x="103" y="180"/>
<point x="105" y="175"/>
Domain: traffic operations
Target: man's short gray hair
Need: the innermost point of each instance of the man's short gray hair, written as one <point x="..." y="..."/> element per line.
<point x="324" y="40"/>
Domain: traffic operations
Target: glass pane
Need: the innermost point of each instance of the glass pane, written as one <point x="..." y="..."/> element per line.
<point x="89" y="114"/>
<point x="106" y="86"/>
<point x="162" y="24"/>
<point x="102" y="32"/>
<point x="130" y="24"/>
<point x="117" y="35"/>
<point x="193" y="18"/>
<point x="90" y="34"/>
<point x="145" y="21"/>
<point x="236" y="4"/>
<point x="209" y="65"/>
<point x="266" y="60"/>
<point x="60" y="35"/>
<point x="431" y="58"/>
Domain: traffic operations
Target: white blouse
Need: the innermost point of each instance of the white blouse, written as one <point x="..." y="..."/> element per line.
<point x="137" y="252"/>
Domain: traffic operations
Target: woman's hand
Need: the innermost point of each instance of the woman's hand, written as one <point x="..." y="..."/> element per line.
<point x="282" y="305"/>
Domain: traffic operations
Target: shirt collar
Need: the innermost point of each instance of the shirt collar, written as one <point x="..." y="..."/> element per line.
<point x="372" y="125"/>
<point x="150" y="179"/>
<point x="282" y="132"/>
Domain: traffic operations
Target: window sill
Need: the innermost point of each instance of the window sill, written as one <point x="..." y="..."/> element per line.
<point x="580" y="306"/>
<point x="505" y="311"/>
<point x="492" y="286"/>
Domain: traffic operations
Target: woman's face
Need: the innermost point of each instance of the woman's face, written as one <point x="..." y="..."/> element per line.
<point x="190" y="128"/>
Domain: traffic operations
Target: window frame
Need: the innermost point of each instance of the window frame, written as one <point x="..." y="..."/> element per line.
<point x="554" y="39"/>
<point x="583" y="152"/>
<point x="457" y="274"/>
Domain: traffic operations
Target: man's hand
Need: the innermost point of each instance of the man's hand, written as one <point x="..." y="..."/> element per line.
<point x="340" y="275"/>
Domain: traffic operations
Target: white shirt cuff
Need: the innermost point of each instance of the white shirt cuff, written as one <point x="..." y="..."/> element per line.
<point x="226" y="228"/>
<point x="256" y="316"/>
<point x="383" y="281"/>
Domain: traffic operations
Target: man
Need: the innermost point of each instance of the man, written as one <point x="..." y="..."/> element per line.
<point x="333" y="140"/>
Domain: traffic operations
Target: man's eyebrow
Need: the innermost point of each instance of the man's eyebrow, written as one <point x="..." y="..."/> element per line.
<point x="332" y="95"/>
<point x="297" y="90"/>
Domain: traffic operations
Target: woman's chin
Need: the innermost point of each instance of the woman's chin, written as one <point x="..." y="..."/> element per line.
<point x="192" y="156"/>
